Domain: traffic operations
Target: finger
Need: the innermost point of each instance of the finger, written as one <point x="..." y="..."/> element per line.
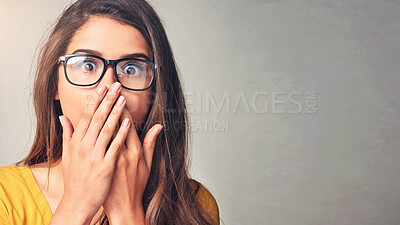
<point x="149" y="142"/>
<point x="101" y="114"/>
<point x="115" y="147"/>
<point x="91" y="107"/>
<point x="109" y="127"/>
<point x="132" y="140"/>
<point x="114" y="135"/>
<point x="68" y="130"/>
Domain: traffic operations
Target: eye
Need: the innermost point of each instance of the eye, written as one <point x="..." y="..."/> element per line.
<point x="132" y="68"/>
<point x="88" y="65"/>
<point x="84" y="65"/>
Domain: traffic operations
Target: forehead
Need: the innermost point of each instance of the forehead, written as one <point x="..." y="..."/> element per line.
<point x="110" y="37"/>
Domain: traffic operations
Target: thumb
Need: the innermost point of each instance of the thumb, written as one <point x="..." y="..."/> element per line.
<point x="68" y="130"/>
<point x="149" y="143"/>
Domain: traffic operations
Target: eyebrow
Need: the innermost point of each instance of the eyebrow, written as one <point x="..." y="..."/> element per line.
<point x="97" y="53"/>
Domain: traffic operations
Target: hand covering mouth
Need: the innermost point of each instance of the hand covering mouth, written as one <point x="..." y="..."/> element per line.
<point x="113" y="136"/>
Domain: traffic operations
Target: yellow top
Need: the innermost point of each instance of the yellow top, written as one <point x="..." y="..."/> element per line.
<point x="22" y="201"/>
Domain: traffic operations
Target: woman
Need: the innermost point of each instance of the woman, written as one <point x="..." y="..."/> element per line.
<point x="112" y="132"/>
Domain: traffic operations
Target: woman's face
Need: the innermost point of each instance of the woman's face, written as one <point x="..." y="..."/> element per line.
<point x="111" y="39"/>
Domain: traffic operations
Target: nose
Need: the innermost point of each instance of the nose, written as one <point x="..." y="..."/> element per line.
<point x="108" y="78"/>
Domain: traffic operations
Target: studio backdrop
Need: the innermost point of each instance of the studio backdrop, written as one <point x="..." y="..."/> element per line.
<point x="294" y="105"/>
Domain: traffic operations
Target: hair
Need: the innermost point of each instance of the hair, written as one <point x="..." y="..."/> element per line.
<point x="168" y="197"/>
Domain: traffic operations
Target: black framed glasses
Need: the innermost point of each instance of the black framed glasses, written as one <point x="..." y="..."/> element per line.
<point x="86" y="70"/>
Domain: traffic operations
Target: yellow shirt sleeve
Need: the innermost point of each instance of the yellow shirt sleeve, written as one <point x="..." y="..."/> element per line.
<point x="207" y="201"/>
<point x="21" y="200"/>
<point x="3" y="212"/>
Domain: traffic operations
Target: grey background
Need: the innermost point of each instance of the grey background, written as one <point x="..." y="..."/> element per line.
<point x="325" y="151"/>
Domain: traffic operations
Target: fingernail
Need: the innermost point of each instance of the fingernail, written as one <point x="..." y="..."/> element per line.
<point x="115" y="87"/>
<point x="158" y="129"/>
<point x="101" y="90"/>
<point x="61" y="121"/>
<point x="126" y="122"/>
<point x="121" y="100"/>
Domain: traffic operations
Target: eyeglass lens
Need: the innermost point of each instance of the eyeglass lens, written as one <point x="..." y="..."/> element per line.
<point x="86" y="70"/>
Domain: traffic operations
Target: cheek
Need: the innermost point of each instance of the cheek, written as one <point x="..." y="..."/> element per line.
<point x="72" y="108"/>
<point x="73" y="100"/>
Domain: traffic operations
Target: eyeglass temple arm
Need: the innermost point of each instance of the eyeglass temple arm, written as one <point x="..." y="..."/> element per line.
<point x="62" y="58"/>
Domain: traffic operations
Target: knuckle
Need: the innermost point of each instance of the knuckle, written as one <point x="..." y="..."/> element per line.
<point x="85" y="127"/>
<point x="135" y="153"/>
<point x="107" y="129"/>
<point x="110" y="98"/>
<point x="122" y="162"/>
<point x="86" y="119"/>
<point x="96" y="98"/>
<point x="115" y="110"/>
<point x="95" y="126"/>
<point x="117" y="145"/>
<point x="97" y="118"/>
<point x="80" y="149"/>
<point x="92" y="162"/>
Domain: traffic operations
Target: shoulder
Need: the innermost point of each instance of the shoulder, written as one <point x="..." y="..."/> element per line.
<point x="11" y="181"/>
<point x="10" y="175"/>
<point x="21" y="201"/>
<point x="205" y="199"/>
<point x="7" y="170"/>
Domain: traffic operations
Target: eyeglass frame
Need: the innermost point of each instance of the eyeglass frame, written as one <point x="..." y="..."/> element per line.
<point x="106" y="62"/>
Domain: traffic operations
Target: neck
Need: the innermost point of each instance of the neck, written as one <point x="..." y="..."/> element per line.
<point x="52" y="183"/>
<point x="56" y="174"/>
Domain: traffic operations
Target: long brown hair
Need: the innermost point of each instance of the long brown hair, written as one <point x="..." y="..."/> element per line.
<point x="168" y="197"/>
